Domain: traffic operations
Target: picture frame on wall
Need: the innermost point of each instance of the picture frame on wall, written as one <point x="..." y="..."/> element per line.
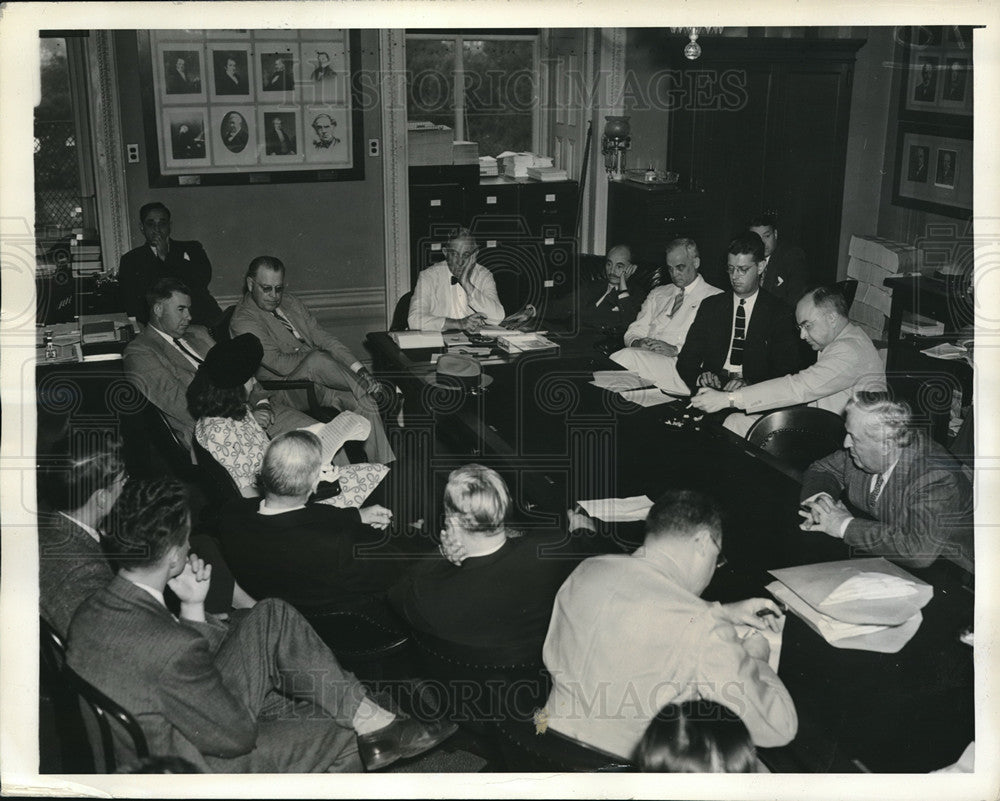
<point x="933" y="170"/>
<point x="254" y="106"/>
<point x="938" y="77"/>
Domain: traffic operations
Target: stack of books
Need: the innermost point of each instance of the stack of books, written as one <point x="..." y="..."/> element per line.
<point x="528" y="342"/>
<point x="465" y="153"/>
<point x="515" y="165"/>
<point x="429" y="144"/>
<point x="85" y="258"/>
<point x="873" y="259"/>
<point x="547" y="174"/>
<point x="488" y="167"/>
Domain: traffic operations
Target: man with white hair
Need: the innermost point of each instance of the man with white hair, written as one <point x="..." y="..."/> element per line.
<point x="891" y="491"/>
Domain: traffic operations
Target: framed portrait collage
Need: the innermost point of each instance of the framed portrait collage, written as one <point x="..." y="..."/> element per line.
<point x="933" y="168"/>
<point x="251" y="106"/>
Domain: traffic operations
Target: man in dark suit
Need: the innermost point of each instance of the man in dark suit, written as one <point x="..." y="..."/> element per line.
<point x="282" y="546"/>
<point x="891" y="491"/>
<point x="279" y="141"/>
<point x="164" y="358"/>
<point x="263" y="694"/>
<point x="229" y="80"/>
<point x="740" y="337"/>
<point x="786" y="274"/>
<point x="162" y="256"/>
<point x="281" y="77"/>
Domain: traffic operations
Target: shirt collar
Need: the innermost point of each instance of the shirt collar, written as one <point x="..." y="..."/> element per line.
<point x="264" y="509"/>
<point x="93" y="532"/>
<point x="157" y="594"/>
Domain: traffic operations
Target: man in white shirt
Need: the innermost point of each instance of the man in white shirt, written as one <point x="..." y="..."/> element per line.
<point x="457" y="293"/>
<point x="656" y="337"/>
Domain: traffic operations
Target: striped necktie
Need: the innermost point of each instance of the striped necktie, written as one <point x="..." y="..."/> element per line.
<point x="876" y="489"/>
<point x="739" y="334"/>
<point x="291" y="329"/>
<point x="187" y="350"/>
<point x="678" y="302"/>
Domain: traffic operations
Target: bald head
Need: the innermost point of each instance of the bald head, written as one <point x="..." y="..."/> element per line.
<point x="619" y="263"/>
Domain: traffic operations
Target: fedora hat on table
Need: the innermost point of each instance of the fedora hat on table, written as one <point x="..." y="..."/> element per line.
<point x="454" y="371"/>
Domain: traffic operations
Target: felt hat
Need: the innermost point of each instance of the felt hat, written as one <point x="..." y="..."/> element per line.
<point x="232" y="363"/>
<point x="454" y="371"/>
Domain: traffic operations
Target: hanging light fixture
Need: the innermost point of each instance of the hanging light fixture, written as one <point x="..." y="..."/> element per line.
<point x="692" y="49"/>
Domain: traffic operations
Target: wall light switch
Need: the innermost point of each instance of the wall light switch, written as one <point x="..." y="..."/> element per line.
<point x="373" y="147"/>
<point x="132" y="151"/>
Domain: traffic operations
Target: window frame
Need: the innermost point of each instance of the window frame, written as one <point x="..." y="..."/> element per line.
<point x="459" y="37"/>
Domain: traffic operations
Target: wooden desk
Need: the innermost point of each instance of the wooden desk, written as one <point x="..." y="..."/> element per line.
<point x="557" y="440"/>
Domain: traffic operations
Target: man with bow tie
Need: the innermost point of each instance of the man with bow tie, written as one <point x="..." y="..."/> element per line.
<point x="160" y="257"/>
<point x="456" y="293"/>
<point x="163" y="359"/>
<point x="657" y="335"/>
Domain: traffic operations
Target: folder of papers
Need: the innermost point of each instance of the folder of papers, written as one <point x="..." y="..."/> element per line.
<point x="407" y="340"/>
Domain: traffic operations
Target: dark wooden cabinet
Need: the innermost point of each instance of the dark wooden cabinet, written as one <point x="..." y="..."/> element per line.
<point x="766" y="132"/>
<point x="647" y="218"/>
<point x="526" y="230"/>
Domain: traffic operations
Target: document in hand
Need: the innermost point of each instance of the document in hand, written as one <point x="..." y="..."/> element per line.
<point x="865" y="604"/>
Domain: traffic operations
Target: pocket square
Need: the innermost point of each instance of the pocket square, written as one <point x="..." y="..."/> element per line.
<point x="186" y="257"/>
<point x="780" y="280"/>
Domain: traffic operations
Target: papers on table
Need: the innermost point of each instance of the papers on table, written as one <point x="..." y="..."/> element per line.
<point x="417" y="339"/>
<point x="946" y="351"/>
<point x="618" y="510"/>
<point x="618" y="380"/>
<point x="646" y="397"/>
<point x="865" y="604"/>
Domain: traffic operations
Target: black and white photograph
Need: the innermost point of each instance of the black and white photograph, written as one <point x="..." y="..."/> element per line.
<point x="231" y="72"/>
<point x="187" y="134"/>
<point x="483" y="405"/>
<point x="944" y="174"/>
<point x="182" y="72"/>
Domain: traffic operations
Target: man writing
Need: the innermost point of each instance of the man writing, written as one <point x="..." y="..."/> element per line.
<point x="740" y="337"/>
<point x="161" y="257"/>
<point x="657" y="335"/>
<point x="261" y="695"/>
<point x="457" y="293"/>
<point x="163" y="359"/>
<point x="630" y="634"/>
<point x="846" y="358"/>
<point x="296" y="346"/>
<point x="891" y="491"/>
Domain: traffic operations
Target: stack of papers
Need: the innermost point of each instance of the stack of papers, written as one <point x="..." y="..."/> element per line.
<point x="921" y="326"/>
<point x="618" y="510"/>
<point x="873" y="259"/>
<point x="515" y="165"/>
<point x="417" y="339"/>
<point x="618" y="380"/>
<point x="547" y="174"/>
<point x="488" y="167"/>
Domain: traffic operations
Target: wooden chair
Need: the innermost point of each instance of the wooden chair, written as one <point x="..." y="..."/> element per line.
<point x="799" y="435"/>
<point x="401" y="314"/>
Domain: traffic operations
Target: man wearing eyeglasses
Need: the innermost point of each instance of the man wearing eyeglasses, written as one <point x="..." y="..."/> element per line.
<point x="297" y="346"/>
<point x="456" y="294"/>
<point x="743" y="336"/>
<point x="631" y="633"/>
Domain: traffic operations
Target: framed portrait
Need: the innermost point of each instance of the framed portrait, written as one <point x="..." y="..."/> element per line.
<point x="933" y="170"/>
<point x="182" y="74"/>
<point x="251" y="106"/>
<point x="938" y="79"/>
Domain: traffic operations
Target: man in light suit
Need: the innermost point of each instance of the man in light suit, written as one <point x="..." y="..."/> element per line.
<point x="740" y="337"/>
<point x="263" y="694"/>
<point x="630" y="634"/>
<point x="657" y="335"/>
<point x="296" y="346"/>
<point x="457" y="293"/>
<point x="164" y="358"/>
<point x="786" y="274"/>
<point x="847" y="359"/>
<point x="891" y="491"/>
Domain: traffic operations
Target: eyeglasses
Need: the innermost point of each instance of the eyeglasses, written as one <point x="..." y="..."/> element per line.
<point x="720" y="560"/>
<point x="741" y="271"/>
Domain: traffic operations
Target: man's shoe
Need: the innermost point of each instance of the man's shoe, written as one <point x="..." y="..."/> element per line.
<point x="401" y="739"/>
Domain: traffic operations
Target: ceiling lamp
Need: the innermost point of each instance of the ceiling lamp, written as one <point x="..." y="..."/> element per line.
<point x="692" y="49"/>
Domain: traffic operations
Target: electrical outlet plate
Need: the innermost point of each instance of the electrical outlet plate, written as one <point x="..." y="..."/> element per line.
<point x="132" y="151"/>
<point x="373" y="148"/>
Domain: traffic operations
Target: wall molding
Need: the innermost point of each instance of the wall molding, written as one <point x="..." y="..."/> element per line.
<point x="110" y="195"/>
<point x="395" y="175"/>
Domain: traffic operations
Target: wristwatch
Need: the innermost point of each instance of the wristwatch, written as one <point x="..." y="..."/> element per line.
<point x="732" y="400"/>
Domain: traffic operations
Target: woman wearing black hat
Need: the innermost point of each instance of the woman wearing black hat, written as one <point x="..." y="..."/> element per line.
<point x="226" y="426"/>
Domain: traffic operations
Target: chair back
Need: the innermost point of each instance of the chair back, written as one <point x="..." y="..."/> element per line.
<point x="525" y="749"/>
<point x="221" y="331"/>
<point x="365" y="641"/>
<point x="401" y="315"/>
<point x="798" y="436"/>
<point x="218" y="484"/>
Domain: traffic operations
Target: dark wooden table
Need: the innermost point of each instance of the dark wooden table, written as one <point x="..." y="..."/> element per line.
<point x="557" y="440"/>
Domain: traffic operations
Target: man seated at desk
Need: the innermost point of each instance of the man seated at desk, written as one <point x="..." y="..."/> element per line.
<point x="657" y="335"/>
<point x="457" y="293"/>
<point x="740" y="337"/>
<point x="163" y="359"/>
<point x="297" y="346"/>
<point x="906" y="497"/>
<point x="162" y="256"/>
<point x="847" y="359"/>
<point x="607" y="301"/>
<point x="630" y="634"/>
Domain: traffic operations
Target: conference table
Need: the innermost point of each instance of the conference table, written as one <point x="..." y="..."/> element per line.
<point x="557" y="439"/>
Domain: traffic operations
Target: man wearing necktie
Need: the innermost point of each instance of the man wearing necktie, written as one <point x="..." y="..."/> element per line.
<point x="297" y="346"/>
<point x="457" y="293"/>
<point x="162" y="360"/>
<point x="892" y="491"/>
<point x="657" y="335"/>
<point x="740" y="337"/>
<point x="786" y="274"/>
